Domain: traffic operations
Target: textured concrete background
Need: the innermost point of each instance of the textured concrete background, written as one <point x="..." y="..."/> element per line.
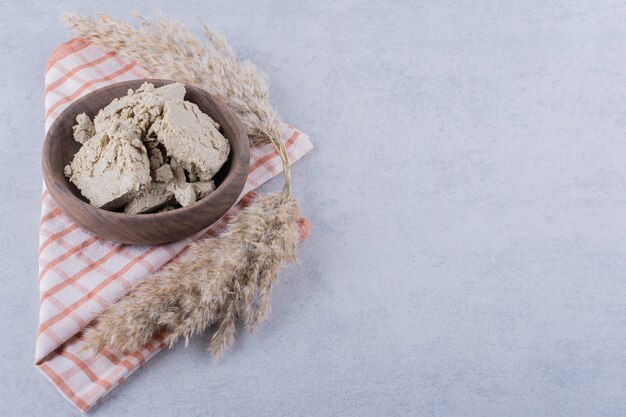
<point x="468" y="202"/>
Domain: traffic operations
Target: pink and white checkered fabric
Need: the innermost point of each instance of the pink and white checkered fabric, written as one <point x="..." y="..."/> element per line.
<point x="80" y="273"/>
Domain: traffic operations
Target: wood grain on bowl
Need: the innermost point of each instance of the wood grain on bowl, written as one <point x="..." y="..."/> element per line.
<point x="59" y="149"/>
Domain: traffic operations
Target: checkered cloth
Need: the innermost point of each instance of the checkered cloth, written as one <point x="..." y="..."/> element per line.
<point x="80" y="273"/>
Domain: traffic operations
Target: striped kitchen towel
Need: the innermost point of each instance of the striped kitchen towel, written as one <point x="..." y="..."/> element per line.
<point x="80" y="273"/>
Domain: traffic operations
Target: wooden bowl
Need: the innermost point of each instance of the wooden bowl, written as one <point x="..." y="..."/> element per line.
<point x="59" y="149"/>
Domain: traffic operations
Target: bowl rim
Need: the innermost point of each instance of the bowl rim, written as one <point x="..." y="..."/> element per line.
<point x="136" y="83"/>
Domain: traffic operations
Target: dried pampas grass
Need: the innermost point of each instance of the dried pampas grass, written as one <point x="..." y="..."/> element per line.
<point x="166" y="48"/>
<point x="227" y="278"/>
<point x="221" y="280"/>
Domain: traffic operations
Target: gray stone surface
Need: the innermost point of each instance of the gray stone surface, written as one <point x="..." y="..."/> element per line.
<point x="468" y="202"/>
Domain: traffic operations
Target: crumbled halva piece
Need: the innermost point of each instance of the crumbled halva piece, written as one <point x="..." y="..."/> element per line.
<point x="203" y="188"/>
<point x="84" y="128"/>
<point x="124" y="130"/>
<point x="150" y="142"/>
<point x="185" y="193"/>
<point x="177" y="171"/>
<point x="191" y="137"/>
<point x="166" y="208"/>
<point x="141" y="107"/>
<point x="151" y="198"/>
<point x="156" y="158"/>
<point x="173" y="91"/>
<point x="164" y="174"/>
<point x="156" y="125"/>
<point x="193" y="177"/>
<point x="147" y="151"/>
<point x="110" y="169"/>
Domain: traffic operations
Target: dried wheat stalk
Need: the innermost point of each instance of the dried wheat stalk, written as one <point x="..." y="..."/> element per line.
<point x="227" y="278"/>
